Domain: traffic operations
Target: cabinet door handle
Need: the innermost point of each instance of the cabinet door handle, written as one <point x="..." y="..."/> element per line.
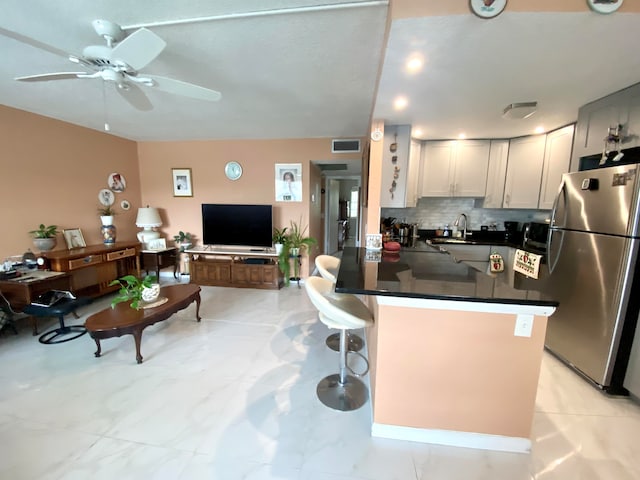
<point x="508" y="199"/>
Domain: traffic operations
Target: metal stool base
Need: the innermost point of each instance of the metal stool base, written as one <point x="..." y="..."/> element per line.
<point x="62" y="334"/>
<point x="354" y="342"/>
<point x="347" y="396"/>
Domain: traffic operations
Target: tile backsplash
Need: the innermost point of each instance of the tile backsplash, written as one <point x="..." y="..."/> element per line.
<point x="432" y="213"/>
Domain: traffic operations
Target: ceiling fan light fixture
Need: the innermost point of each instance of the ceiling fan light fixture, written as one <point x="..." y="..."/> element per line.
<point x="519" y="110"/>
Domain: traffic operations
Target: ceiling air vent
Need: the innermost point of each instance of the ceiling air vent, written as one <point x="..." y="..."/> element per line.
<point x="345" y="146"/>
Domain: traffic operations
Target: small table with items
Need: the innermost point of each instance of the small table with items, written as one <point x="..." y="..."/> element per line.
<point x="158" y="259"/>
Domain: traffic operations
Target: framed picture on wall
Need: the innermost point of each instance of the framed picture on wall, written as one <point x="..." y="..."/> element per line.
<point x="182" y="186"/>
<point x="74" y="238"/>
<point x="288" y="182"/>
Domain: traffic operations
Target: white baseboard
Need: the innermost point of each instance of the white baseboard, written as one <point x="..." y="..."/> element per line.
<point x="452" y="438"/>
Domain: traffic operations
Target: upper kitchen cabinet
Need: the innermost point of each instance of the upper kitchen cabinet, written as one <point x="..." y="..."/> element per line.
<point x="524" y="172"/>
<point x="496" y="174"/>
<point x="557" y="157"/>
<point x="595" y="119"/>
<point x="400" y="164"/>
<point x="455" y="168"/>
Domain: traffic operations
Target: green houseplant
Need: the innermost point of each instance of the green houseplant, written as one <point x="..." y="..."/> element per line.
<point x="132" y="288"/>
<point x="279" y="238"/>
<point x="44" y="237"/>
<point x="295" y="244"/>
<point x="183" y="240"/>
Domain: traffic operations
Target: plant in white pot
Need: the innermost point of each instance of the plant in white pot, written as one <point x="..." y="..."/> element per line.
<point x="135" y="290"/>
<point x="44" y="237"/>
<point x="106" y="214"/>
<point x="279" y="239"/>
<point x="183" y="240"/>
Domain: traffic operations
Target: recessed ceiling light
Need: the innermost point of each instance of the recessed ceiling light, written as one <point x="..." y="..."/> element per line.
<point x="462" y="136"/>
<point x="416" y="133"/>
<point x="539" y="129"/>
<point x="519" y="110"/>
<point x="400" y="103"/>
<point x="415" y="64"/>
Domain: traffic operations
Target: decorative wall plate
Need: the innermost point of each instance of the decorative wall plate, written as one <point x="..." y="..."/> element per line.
<point x="106" y="197"/>
<point x="116" y="182"/>
<point x="233" y="170"/>
<point x="604" y="6"/>
<point x="487" y="8"/>
<point x="125" y="204"/>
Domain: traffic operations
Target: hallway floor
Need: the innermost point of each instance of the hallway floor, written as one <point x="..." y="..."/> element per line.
<point x="233" y="397"/>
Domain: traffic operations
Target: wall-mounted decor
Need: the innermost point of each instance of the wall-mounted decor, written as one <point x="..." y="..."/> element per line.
<point x="604" y="6"/>
<point x="125" y="205"/>
<point x="233" y="170"/>
<point x="74" y="238"/>
<point x="487" y="8"/>
<point x="182" y="186"/>
<point x="288" y="182"/>
<point x="116" y="182"/>
<point x="106" y="197"/>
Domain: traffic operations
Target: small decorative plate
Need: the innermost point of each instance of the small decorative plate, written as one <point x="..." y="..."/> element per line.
<point x="605" y="6"/>
<point x="106" y="197"/>
<point x="487" y="8"/>
<point x="116" y="182"/>
<point x="125" y="204"/>
<point x="233" y="170"/>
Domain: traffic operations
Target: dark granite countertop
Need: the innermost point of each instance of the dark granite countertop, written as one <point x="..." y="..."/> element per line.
<point x="425" y="272"/>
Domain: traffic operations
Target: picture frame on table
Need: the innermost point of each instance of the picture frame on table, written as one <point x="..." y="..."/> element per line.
<point x="182" y="183"/>
<point x="156" y="244"/>
<point x="74" y="238"/>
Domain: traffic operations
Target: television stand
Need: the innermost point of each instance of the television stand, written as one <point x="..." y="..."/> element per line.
<point x="234" y="267"/>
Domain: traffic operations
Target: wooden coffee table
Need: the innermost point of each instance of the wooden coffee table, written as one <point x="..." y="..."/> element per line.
<point x="123" y="320"/>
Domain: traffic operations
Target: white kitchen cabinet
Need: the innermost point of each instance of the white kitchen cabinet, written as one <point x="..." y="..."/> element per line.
<point x="524" y="172"/>
<point x="396" y="167"/>
<point x="413" y="174"/>
<point x="557" y="157"/>
<point x="455" y="168"/>
<point x="595" y="118"/>
<point x="496" y="174"/>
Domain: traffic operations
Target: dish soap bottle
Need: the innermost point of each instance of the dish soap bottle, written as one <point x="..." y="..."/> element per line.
<point x="446" y="231"/>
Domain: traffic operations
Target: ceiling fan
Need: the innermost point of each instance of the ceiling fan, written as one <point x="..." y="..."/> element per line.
<point x="118" y="62"/>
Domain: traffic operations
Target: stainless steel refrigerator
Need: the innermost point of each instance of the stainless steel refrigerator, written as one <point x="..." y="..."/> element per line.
<point x="592" y="272"/>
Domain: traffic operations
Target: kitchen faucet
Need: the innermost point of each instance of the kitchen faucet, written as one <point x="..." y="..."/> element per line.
<point x="457" y="223"/>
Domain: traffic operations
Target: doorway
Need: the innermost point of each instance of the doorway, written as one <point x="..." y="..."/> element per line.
<point x="341" y="213"/>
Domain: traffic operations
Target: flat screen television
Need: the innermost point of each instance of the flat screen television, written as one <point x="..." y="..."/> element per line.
<point x="237" y="225"/>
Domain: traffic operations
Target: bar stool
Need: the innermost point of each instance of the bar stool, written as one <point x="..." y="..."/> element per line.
<point x="328" y="267"/>
<point x="342" y="311"/>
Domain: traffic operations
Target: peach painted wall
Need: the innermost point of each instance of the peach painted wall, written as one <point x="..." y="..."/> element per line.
<point x="461" y="371"/>
<point x="51" y="173"/>
<point x="207" y="160"/>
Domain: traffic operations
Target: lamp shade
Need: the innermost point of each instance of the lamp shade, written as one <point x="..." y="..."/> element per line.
<point x="148" y="217"/>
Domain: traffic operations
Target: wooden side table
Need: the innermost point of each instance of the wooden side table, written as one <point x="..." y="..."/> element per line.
<point x="158" y="259"/>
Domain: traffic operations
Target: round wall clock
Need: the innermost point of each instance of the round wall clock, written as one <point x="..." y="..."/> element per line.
<point x="233" y="170"/>
<point x="604" y="6"/>
<point x="487" y="8"/>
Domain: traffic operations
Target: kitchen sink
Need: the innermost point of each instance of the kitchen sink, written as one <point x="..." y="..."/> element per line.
<point x="438" y="241"/>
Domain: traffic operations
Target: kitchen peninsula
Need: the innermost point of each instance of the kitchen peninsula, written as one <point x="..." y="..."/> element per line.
<point x="455" y="353"/>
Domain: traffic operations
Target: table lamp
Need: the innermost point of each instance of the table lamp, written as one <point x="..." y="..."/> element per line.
<point x="148" y="218"/>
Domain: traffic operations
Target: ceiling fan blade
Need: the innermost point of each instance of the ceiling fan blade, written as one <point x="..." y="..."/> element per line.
<point x="50" y="76"/>
<point x="185" y="89"/>
<point x="134" y="95"/>
<point x="139" y="49"/>
<point x="33" y="42"/>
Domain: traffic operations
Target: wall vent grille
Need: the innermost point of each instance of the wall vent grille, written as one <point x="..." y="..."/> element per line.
<point x="345" y="146"/>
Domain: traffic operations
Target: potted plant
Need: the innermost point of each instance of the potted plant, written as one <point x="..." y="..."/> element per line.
<point x="279" y="239"/>
<point x="296" y="244"/>
<point x="106" y="214"/>
<point x="183" y="240"/>
<point x="135" y="290"/>
<point x="44" y="238"/>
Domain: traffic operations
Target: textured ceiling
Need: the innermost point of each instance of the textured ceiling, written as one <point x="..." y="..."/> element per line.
<point x="296" y="74"/>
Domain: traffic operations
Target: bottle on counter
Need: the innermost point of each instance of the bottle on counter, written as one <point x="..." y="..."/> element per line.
<point x="447" y="231"/>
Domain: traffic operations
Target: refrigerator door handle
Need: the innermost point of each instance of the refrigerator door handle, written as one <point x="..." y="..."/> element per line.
<point x="554" y="247"/>
<point x="562" y="192"/>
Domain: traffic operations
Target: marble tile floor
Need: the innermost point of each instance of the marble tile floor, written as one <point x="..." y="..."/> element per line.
<point x="233" y="397"/>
